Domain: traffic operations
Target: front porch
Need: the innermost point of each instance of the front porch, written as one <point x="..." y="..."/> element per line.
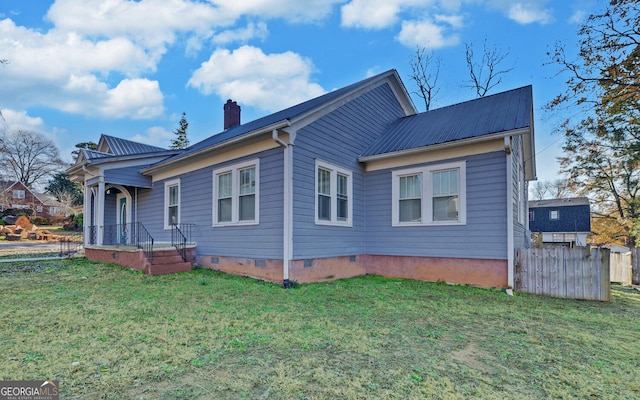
<point x="130" y="245"/>
<point x="165" y="258"/>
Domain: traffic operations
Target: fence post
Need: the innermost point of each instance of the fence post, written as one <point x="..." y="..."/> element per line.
<point x="635" y="266"/>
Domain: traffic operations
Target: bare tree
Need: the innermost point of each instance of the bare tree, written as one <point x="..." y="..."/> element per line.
<point x="28" y="157"/>
<point x="555" y="189"/>
<point x="66" y="201"/>
<point x="424" y="72"/>
<point x="485" y="74"/>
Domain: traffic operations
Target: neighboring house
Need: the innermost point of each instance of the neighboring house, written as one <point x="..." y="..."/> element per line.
<point x="349" y="183"/>
<point x="561" y="221"/>
<point x="19" y="197"/>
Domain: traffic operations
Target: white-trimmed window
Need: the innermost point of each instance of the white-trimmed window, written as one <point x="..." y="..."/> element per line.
<point x="171" y="203"/>
<point x="431" y="195"/>
<point x="554" y="215"/>
<point x="334" y="195"/>
<point x="54" y="210"/>
<point x="236" y="194"/>
<point x="18" y="194"/>
<point x="38" y="208"/>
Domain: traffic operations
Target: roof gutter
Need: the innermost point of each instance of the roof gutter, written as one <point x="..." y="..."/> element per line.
<point x="442" y="146"/>
<point x="269" y="128"/>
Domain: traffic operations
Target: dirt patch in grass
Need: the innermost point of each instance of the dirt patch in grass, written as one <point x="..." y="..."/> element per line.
<point x="474" y="358"/>
<point x="106" y="332"/>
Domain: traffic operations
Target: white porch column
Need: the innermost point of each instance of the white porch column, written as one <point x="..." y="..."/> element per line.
<point x="86" y="214"/>
<point x="99" y="209"/>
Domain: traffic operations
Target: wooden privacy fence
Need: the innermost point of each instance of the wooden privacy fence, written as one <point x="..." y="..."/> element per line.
<point x="620" y="268"/>
<point x="579" y="273"/>
<point x="635" y="266"/>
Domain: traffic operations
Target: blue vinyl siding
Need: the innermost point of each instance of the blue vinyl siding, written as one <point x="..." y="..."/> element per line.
<point x="484" y="235"/>
<point x="129" y="176"/>
<point x="337" y="138"/>
<point x="110" y="209"/>
<point x="196" y="207"/>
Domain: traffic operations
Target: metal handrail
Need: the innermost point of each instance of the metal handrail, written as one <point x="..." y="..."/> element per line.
<point x="180" y="237"/>
<point x="71" y="244"/>
<point x="134" y="233"/>
<point x="145" y="241"/>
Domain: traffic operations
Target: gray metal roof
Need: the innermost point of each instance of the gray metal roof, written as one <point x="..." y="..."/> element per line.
<point x="122" y="147"/>
<point x="501" y="112"/>
<point x="280" y="116"/>
<point x="573" y="201"/>
<point x="92" y="154"/>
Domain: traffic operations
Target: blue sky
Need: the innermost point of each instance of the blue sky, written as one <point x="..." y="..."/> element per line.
<point x="79" y="68"/>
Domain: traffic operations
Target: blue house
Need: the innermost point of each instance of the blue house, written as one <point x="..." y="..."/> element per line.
<point x="349" y="183"/>
<point x="561" y="221"/>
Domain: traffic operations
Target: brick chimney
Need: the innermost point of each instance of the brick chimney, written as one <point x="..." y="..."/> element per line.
<point x="231" y="114"/>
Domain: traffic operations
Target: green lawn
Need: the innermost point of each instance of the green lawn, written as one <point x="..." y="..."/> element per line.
<point x="107" y="332"/>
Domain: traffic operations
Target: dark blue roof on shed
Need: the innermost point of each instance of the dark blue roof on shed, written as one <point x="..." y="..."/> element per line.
<point x="501" y="112"/>
<point x="574" y="215"/>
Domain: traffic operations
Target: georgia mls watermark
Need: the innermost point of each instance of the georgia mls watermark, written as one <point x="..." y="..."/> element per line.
<point x="29" y="390"/>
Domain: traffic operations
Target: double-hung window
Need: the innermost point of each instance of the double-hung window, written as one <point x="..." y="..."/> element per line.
<point x="334" y="195"/>
<point x="236" y="194"/>
<point x="171" y="203"/>
<point x="431" y="195"/>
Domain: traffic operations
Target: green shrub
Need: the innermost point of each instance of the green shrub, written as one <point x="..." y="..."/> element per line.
<point x="37" y="220"/>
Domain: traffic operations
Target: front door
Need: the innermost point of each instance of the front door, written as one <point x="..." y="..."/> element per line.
<point x="123" y="227"/>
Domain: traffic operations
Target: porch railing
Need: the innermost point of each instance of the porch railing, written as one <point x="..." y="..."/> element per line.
<point x="71" y="244"/>
<point x="180" y="237"/>
<point x="131" y="234"/>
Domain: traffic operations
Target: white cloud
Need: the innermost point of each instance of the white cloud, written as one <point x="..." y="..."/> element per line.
<point x="290" y="10"/>
<point x="152" y="24"/>
<point x="13" y="119"/>
<point x="377" y="14"/>
<point x="427" y="34"/>
<point x="456" y="21"/>
<point x="135" y="98"/>
<point x="155" y="136"/>
<point x="131" y="98"/>
<point x="267" y="81"/>
<point x="370" y="14"/>
<point x="578" y="17"/>
<point x="243" y="35"/>
<point x="527" y="13"/>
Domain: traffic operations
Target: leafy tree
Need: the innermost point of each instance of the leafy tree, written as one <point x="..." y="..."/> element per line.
<point x="181" y="141"/>
<point x="424" y="72"/>
<point x="486" y="73"/>
<point x="65" y="190"/>
<point x="28" y="156"/>
<point x="83" y="145"/>
<point x="602" y="150"/>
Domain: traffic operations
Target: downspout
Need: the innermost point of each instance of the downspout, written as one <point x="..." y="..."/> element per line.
<point x="510" y="263"/>
<point x="287" y="235"/>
